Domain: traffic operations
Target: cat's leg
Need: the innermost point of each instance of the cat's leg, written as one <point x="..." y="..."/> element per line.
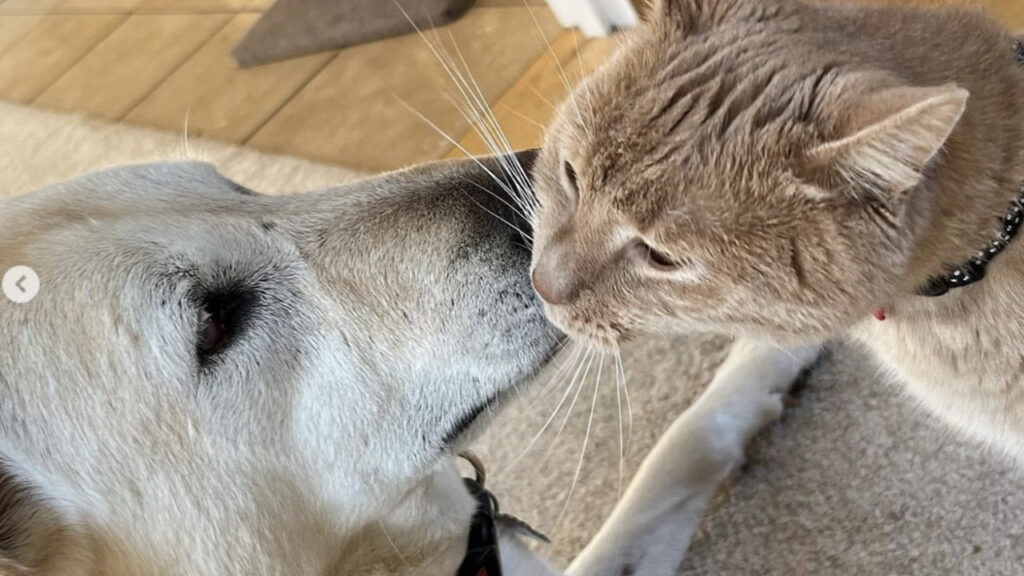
<point x="650" y="529"/>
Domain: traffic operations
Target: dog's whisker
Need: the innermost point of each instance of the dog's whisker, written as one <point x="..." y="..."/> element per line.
<point x="394" y="547"/>
<point x="184" y="135"/>
<point x="586" y="440"/>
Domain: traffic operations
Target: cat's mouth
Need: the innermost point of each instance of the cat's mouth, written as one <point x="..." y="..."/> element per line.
<point x="601" y="335"/>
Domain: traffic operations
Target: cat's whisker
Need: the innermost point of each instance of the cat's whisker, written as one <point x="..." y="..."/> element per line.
<point x="586" y="440"/>
<point x="452" y="141"/>
<point x="504" y="148"/>
<point x="522" y="116"/>
<point x="618" y="403"/>
<point x="523" y="207"/>
<point x="583" y="74"/>
<point x="479" y="115"/>
<point x="572" y="406"/>
<point x="447" y="63"/>
<point x="518" y="211"/>
<point x="629" y="405"/>
<point x="485" y="124"/>
<point x="554" y="57"/>
<point x="577" y="349"/>
<point x="568" y="389"/>
<point x="526" y="237"/>
<point x="544" y="98"/>
<point x="524" y="391"/>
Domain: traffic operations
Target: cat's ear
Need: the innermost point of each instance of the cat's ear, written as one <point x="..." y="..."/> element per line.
<point x="887" y="140"/>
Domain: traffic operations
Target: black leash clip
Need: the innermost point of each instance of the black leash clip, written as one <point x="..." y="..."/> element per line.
<point x="483" y="553"/>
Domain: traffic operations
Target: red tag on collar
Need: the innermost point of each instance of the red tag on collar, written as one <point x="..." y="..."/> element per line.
<point x="482" y="572"/>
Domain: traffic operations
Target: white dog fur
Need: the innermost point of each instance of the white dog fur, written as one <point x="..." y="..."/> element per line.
<point x="376" y="318"/>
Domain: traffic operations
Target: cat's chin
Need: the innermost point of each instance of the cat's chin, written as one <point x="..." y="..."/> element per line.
<point x="608" y="344"/>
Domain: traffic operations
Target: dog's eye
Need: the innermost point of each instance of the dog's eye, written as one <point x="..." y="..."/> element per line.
<point x="213" y="335"/>
<point x="222" y="318"/>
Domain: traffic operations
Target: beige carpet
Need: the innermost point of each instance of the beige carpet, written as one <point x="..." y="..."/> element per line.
<point x="855" y="481"/>
<point x="38" y="148"/>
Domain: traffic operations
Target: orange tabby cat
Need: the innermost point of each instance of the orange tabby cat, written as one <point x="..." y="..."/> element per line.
<point x="795" y="170"/>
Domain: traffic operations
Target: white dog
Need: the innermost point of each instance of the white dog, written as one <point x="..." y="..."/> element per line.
<point x="215" y="382"/>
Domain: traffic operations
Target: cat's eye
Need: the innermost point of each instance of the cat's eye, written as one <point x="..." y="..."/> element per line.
<point x="570" y="176"/>
<point x="659" y="259"/>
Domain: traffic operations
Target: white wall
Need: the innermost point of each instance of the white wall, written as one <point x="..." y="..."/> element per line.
<point x="595" y="17"/>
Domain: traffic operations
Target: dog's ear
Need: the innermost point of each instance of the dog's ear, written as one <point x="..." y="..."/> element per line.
<point x="38" y="532"/>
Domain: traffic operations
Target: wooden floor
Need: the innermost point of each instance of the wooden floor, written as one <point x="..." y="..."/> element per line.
<point x="166" y="63"/>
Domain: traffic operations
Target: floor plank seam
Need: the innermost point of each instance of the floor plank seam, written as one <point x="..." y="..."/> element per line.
<point x="78" y="60"/>
<point x="24" y="35"/>
<point x="298" y="90"/>
<point x="173" y="71"/>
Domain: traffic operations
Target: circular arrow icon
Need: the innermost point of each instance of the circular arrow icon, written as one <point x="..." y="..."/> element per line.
<point x="21" y="284"/>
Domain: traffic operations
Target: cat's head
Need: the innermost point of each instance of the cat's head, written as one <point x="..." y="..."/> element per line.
<point x="728" y="170"/>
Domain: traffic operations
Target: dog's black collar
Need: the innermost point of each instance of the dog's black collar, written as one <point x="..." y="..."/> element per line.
<point x="974" y="269"/>
<point x="483" y="553"/>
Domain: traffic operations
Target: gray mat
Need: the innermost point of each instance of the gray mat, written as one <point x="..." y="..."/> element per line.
<point x="294" y="28"/>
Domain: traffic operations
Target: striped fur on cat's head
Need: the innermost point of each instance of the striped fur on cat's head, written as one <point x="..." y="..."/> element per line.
<point x="763" y="166"/>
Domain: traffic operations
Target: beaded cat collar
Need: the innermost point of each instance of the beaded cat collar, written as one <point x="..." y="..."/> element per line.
<point x="974" y="269"/>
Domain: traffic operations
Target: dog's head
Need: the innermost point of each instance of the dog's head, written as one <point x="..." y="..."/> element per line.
<point x="214" y="381"/>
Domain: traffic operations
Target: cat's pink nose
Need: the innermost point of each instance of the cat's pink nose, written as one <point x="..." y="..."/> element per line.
<point x="554" y="283"/>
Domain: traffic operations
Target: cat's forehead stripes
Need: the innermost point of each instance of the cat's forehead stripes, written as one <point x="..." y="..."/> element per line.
<point x="711" y="115"/>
